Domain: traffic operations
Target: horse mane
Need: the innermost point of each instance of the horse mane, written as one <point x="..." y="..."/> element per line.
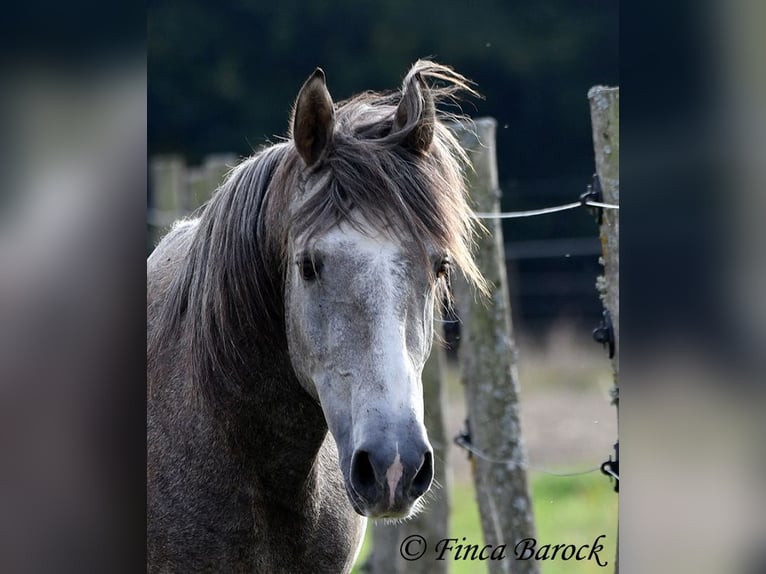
<point x="227" y="297"/>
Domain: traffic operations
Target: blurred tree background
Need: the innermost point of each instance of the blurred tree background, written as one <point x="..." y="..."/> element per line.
<point x="223" y="76"/>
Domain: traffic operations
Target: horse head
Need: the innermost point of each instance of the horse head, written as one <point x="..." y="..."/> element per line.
<point x="377" y="221"/>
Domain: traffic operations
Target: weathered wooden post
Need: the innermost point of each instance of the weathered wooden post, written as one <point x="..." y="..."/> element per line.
<point x="488" y="367"/>
<point x="178" y="190"/>
<point x="204" y="179"/>
<point x="432" y="523"/>
<point x="605" y="120"/>
<point x="168" y="184"/>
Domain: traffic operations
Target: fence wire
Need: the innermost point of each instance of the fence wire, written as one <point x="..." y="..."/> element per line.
<point x="517" y="464"/>
<point x="544" y="210"/>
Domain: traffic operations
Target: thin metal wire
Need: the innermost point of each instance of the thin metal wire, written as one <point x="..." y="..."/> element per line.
<point x="525" y="465"/>
<point x="579" y="473"/>
<point x="530" y="213"/>
<point x="602" y="205"/>
<point x="610" y="471"/>
<point x="543" y="211"/>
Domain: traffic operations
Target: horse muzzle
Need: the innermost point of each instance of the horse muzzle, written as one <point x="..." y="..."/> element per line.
<point x="385" y="480"/>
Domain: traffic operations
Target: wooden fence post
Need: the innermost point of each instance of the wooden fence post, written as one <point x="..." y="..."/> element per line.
<point x="203" y="180"/>
<point x="168" y="184"/>
<point x="605" y="120"/>
<point x="177" y="189"/>
<point x="433" y="522"/>
<point x="488" y="366"/>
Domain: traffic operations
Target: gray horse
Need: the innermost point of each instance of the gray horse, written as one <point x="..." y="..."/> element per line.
<point x="301" y="300"/>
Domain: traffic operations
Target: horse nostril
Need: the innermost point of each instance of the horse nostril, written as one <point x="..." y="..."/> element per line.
<point x="362" y="474"/>
<point x="422" y="480"/>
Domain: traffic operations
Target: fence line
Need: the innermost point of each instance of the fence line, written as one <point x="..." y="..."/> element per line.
<point x="544" y="210"/>
<point x="177" y="189"/>
<point x="464" y="443"/>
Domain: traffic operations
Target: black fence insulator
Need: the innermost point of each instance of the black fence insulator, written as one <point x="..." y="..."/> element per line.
<point x="594" y="193"/>
<point x="611" y="468"/>
<point x="604" y="333"/>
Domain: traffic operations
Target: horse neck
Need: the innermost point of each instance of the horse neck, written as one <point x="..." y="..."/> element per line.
<point x="279" y="428"/>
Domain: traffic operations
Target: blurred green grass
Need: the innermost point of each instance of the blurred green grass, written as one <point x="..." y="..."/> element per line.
<point x="568" y="510"/>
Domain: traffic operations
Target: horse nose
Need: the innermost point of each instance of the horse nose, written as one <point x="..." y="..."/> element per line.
<point x="390" y="481"/>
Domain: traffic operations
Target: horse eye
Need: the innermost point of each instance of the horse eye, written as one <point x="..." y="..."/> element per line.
<point x="442" y="268"/>
<point x="309" y="268"/>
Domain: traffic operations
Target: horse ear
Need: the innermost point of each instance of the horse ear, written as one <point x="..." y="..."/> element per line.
<point x="417" y="114"/>
<point x="313" y="118"/>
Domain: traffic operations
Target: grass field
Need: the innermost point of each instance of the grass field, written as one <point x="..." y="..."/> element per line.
<point x="572" y="510"/>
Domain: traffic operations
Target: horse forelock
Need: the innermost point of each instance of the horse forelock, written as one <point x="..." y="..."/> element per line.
<point x="231" y="282"/>
<point x="369" y="171"/>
